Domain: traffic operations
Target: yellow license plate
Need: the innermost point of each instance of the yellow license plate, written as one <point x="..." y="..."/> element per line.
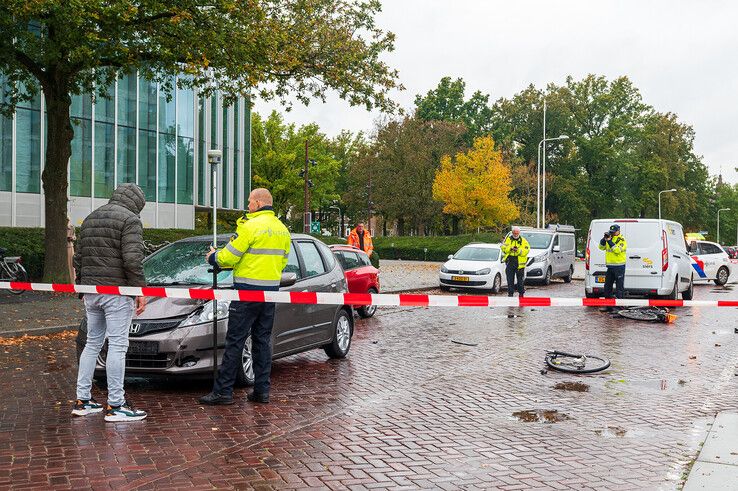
<point x="599" y="279"/>
<point x="459" y="278"/>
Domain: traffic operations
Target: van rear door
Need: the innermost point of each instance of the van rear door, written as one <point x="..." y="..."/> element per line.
<point x="644" y="254"/>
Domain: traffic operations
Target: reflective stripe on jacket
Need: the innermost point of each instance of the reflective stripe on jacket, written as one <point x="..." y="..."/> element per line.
<point x="353" y="240"/>
<point x="614" y="250"/>
<point x="522" y="250"/>
<point x="258" y="251"/>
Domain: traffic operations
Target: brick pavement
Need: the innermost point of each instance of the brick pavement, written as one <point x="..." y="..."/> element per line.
<point x="406" y="409"/>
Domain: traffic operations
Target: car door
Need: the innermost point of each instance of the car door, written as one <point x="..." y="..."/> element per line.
<point x="318" y="318"/>
<point x="289" y="322"/>
<point x="713" y="258"/>
<point x="358" y="280"/>
<point x="556" y="256"/>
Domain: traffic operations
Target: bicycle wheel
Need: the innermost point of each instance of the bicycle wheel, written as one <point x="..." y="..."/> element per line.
<point x="20" y="275"/>
<point x="576" y="363"/>
<point x="639" y="314"/>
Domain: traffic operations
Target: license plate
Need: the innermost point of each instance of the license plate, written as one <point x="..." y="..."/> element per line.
<point x="143" y="347"/>
<point x="599" y="279"/>
<point x="460" y="278"/>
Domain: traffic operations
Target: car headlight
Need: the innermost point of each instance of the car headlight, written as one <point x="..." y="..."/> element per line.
<point x="484" y="271"/>
<point x="444" y="269"/>
<point x="540" y="258"/>
<point x="206" y="313"/>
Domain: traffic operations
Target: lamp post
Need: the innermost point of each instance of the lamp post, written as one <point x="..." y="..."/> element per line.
<point x="214" y="157"/>
<point x="340" y="220"/>
<point x="541" y="218"/>
<point x="664" y="191"/>
<point x="718" y="222"/>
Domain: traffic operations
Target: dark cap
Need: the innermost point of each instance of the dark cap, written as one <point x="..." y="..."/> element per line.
<point x="615" y="228"/>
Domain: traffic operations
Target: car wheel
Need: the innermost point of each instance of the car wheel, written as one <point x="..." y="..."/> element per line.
<point x="547" y="278"/>
<point x="722" y="276"/>
<point x="567" y="278"/>
<point x="367" y="310"/>
<point x="688" y="294"/>
<point x="445" y="288"/>
<point x="497" y="284"/>
<point x="339" y="347"/>
<point x="245" y="374"/>
<point x="590" y="295"/>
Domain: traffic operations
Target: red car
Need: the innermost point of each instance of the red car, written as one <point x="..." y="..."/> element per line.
<point x="361" y="276"/>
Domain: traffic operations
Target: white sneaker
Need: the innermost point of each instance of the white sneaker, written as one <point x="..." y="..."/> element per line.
<point x="123" y="413"/>
<point x="83" y="408"/>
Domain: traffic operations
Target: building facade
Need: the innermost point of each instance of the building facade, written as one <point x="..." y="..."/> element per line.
<point x="135" y="134"/>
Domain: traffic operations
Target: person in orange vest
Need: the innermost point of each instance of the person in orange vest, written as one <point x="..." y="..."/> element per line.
<point x="361" y="238"/>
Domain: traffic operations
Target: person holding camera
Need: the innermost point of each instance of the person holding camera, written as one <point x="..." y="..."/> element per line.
<point x="614" y="245"/>
<point x="516" y="250"/>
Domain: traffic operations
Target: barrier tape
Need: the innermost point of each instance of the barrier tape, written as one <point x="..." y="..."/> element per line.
<point x="379" y="299"/>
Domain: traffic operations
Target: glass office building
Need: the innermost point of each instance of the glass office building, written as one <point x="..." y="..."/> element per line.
<point x="135" y="134"/>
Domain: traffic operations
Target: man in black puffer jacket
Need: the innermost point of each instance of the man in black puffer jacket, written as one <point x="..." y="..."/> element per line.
<point x="110" y="252"/>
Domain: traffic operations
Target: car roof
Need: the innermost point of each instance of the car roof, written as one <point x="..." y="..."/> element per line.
<point x="484" y="245"/>
<point x="225" y="237"/>
<point x="345" y="247"/>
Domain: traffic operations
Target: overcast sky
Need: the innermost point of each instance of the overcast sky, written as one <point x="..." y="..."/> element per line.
<point x="682" y="55"/>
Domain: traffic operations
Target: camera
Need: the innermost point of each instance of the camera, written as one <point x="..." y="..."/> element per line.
<point x="607" y="236"/>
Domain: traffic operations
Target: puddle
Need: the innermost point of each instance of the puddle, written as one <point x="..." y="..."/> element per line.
<point x="573" y="386"/>
<point x="541" y="416"/>
<point x="612" y="431"/>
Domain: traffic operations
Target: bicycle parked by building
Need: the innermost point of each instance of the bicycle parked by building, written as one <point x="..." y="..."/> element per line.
<point x="11" y="269"/>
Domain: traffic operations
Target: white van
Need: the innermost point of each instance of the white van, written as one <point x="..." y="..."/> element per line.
<point x="658" y="262"/>
<point x="552" y="253"/>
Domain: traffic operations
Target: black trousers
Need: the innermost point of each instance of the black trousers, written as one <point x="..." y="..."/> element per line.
<point x="616" y="275"/>
<point x="245" y="319"/>
<point x="513" y="272"/>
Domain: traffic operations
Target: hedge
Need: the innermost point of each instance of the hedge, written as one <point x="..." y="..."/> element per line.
<point x="435" y="248"/>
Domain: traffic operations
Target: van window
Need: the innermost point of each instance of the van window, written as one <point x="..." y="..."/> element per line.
<point x="537" y="240"/>
<point x="567" y="243"/>
<point x="556" y="240"/>
<point x="643" y="235"/>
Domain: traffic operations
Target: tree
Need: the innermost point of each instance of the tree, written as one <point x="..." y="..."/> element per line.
<point x="401" y="164"/>
<point x="446" y="103"/>
<point x="476" y="185"/>
<point x="271" y="48"/>
<point x="278" y="157"/>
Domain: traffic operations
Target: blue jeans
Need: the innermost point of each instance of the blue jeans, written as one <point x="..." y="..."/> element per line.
<point x="246" y="319"/>
<point x="107" y="316"/>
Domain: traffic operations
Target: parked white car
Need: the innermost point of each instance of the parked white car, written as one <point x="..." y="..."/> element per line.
<point x="711" y="262"/>
<point x="474" y="266"/>
<point x="657" y="264"/>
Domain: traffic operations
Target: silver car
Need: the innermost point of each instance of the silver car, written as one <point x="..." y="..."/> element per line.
<point x="174" y="336"/>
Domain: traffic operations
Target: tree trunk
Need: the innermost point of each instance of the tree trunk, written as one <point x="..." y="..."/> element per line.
<point x="400" y="226"/>
<point x="54" y="178"/>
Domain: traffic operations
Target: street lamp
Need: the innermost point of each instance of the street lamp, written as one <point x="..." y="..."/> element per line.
<point x="214" y="157"/>
<point x="718" y="222"/>
<point x="541" y="218"/>
<point x="664" y="191"/>
<point x="340" y="220"/>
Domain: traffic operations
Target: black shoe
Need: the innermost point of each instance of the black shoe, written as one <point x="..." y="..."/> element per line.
<point x="257" y="397"/>
<point x="214" y="399"/>
<point x="509" y="294"/>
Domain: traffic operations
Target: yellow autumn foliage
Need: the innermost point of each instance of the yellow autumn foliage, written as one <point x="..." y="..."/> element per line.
<point x="476" y="185"/>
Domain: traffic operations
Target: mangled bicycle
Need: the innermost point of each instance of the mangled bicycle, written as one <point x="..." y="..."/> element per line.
<point x="575" y="363"/>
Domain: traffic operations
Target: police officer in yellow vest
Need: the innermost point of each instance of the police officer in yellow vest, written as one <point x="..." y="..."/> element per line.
<point x="515" y="250"/>
<point x="614" y="245"/>
<point x="258" y="253"/>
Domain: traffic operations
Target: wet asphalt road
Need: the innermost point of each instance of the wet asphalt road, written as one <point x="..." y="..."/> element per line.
<point x="407" y="408"/>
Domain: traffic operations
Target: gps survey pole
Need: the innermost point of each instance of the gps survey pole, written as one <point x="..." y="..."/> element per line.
<point x="214" y="157"/>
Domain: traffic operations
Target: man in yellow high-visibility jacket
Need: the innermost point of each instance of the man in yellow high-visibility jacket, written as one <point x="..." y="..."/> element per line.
<point x="614" y="245"/>
<point x="515" y="250"/>
<point x="258" y="253"/>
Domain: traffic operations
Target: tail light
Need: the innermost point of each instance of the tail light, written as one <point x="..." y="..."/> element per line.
<point x="586" y="253"/>
<point x="664" y="251"/>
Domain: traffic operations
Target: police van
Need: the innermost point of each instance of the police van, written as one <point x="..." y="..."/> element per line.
<point x="657" y="259"/>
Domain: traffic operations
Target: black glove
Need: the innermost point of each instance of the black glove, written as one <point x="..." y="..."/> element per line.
<point x="602" y="241"/>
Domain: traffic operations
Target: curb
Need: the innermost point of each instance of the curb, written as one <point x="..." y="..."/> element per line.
<point x="716" y="466"/>
<point x="38" y="331"/>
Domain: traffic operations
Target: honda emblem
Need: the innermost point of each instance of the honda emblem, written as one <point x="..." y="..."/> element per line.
<point x="134" y="329"/>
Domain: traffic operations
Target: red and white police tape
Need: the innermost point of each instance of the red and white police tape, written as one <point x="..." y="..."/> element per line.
<point x="383" y="299"/>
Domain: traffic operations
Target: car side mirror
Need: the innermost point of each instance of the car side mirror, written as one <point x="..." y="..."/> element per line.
<point x="557" y="248"/>
<point x="288" y="279"/>
<point x="450" y="256"/>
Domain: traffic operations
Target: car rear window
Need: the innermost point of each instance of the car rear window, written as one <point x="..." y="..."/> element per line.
<point x="349" y="260"/>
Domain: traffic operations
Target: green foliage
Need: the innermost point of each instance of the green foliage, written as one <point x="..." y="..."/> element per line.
<point x="439" y="248"/>
<point x="446" y="103"/>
